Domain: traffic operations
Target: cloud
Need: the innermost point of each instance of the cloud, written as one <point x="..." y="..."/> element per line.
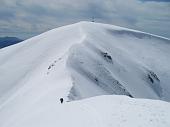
<point x="157" y="0"/>
<point x="29" y="17"/>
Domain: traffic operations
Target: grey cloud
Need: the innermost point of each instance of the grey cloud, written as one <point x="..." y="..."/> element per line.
<point x="33" y="17"/>
<point x="157" y="0"/>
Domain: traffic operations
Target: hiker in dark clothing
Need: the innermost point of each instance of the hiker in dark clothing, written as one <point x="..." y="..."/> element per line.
<point x="61" y="100"/>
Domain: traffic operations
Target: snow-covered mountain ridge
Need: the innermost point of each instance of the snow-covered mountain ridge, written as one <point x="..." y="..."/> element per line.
<point x="101" y="59"/>
<point x="79" y="61"/>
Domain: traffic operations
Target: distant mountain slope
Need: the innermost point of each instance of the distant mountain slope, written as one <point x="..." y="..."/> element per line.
<point x="7" y="41"/>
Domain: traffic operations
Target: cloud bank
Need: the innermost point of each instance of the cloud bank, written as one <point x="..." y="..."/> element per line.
<point x="26" y="18"/>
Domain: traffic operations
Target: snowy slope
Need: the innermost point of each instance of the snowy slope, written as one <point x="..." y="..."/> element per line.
<point x="102" y="111"/>
<point x="80" y="61"/>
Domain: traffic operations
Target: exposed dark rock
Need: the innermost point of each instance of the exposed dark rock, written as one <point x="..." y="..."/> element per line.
<point x="107" y="57"/>
<point x="154" y="82"/>
<point x="150" y="78"/>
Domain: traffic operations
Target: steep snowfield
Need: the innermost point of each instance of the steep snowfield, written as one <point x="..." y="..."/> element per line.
<point x="80" y="61"/>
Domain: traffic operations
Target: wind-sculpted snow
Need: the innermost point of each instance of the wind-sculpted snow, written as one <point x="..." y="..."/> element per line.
<point x="91" y="66"/>
<point x="104" y="71"/>
<point x="137" y="34"/>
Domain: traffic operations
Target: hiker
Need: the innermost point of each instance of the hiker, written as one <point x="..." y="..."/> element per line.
<point x="61" y="100"/>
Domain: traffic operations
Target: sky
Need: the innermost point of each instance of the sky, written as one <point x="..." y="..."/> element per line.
<point x="28" y="18"/>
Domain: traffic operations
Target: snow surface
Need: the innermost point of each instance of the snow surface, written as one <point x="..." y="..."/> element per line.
<point x="101" y="111"/>
<point x="84" y="60"/>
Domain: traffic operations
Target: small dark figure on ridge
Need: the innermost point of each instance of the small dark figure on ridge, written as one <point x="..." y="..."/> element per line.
<point x="61" y="100"/>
